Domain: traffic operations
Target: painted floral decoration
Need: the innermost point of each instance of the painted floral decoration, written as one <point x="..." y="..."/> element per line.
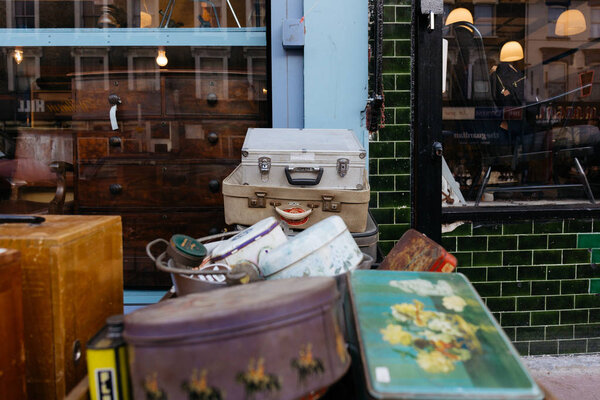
<point x="255" y="380"/>
<point x="340" y="343"/>
<point x="198" y="389"/>
<point x="306" y="364"/>
<point x="153" y="392"/>
<point x="436" y="340"/>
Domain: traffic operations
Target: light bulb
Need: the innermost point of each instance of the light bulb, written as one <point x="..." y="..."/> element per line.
<point x="161" y="58"/>
<point x="18" y="56"/>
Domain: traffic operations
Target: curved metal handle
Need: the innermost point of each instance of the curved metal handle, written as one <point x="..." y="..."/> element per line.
<point x="303" y="181"/>
<point x="293" y="216"/>
<point x="115" y="188"/>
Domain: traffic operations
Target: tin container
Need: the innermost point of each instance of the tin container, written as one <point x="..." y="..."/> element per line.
<point x="325" y="249"/>
<point x="416" y="252"/>
<point x="426" y="335"/>
<point x="269" y="340"/>
<point x="186" y="251"/>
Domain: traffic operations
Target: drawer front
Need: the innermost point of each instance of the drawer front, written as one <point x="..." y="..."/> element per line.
<point x="163" y="185"/>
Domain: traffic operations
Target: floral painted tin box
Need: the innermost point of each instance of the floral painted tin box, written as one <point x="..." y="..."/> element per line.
<point x="426" y="335"/>
<point x="271" y="340"/>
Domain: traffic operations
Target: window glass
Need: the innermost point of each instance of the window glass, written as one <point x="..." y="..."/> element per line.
<point x="520" y="111"/>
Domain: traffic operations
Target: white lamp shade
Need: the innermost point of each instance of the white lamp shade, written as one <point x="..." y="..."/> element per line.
<point x="511" y="51"/>
<point x="459" y="15"/>
<point x="145" y="20"/>
<point x="570" y="22"/>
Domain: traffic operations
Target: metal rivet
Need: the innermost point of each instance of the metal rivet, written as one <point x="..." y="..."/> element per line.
<point x="77" y="351"/>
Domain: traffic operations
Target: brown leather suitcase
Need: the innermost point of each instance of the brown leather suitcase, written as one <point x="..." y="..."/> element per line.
<point x="12" y="348"/>
<point x="72" y="281"/>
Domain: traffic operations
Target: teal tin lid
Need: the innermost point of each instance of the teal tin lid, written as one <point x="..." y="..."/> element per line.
<point x="188" y="246"/>
<point x="427" y="335"/>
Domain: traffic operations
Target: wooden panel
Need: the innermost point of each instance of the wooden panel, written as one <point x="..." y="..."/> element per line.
<point x="72" y="275"/>
<point x="12" y="350"/>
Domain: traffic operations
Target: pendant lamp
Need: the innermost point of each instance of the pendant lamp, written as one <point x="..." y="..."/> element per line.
<point x="570" y="22"/>
<point x="459" y="15"/>
<point x="511" y="51"/>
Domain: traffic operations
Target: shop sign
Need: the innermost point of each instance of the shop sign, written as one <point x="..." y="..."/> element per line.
<point x="551" y="114"/>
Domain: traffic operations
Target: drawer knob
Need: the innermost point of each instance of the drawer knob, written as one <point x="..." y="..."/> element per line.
<point x="214" y="185"/>
<point x="211" y="99"/>
<point x="213" y="137"/>
<point x="115" y="141"/>
<point x="115" y="188"/>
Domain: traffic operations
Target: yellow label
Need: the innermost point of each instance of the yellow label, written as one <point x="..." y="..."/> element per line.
<point x="107" y="373"/>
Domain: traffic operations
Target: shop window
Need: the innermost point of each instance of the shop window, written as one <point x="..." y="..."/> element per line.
<point x="484" y="18"/>
<point x="556" y="79"/>
<point x="24" y="14"/>
<point x="553" y="14"/>
<point x="595" y="22"/>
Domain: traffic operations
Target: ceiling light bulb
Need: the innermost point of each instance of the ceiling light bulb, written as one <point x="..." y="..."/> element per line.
<point x="161" y="58"/>
<point x="18" y="56"/>
<point x="459" y="15"/>
<point x="511" y="51"/>
<point x="570" y="22"/>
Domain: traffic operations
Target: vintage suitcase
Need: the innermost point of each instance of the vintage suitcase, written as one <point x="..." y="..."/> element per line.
<point x="268" y="340"/>
<point x="425" y="335"/>
<point x="72" y="281"/>
<point x="323" y="158"/>
<point x="12" y="348"/>
<point x="299" y="208"/>
<point x="416" y="252"/>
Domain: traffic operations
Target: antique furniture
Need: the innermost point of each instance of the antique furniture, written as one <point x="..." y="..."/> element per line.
<point x="72" y="281"/>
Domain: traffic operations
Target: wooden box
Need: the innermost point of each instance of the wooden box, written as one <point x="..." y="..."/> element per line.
<point x="72" y="270"/>
<point x="12" y="348"/>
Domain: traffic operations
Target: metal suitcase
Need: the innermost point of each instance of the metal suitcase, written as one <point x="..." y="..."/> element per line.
<point x="322" y="158"/>
<point x="425" y="335"/>
<point x="299" y="208"/>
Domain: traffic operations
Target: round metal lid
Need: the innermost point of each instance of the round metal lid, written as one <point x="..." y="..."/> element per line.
<point x="229" y="310"/>
<point x="188" y="245"/>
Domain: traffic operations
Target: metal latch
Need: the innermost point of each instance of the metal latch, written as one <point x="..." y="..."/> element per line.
<point x="258" y="201"/>
<point x="331" y="206"/>
<point x="264" y="166"/>
<point x="342" y="166"/>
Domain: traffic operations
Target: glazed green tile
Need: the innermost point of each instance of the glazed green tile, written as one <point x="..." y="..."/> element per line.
<point x="403" y="182"/>
<point x="394" y="199"/>
<point x="392" y="232"/>
<point x="580" y="286"/>
<point x="561" y="272"/>
<point x="394" y="65"/>
<point x="562" y="241"/>
<point x="389" y="81"/>
<point x="403" y="48"/>
<point x="572" y="346"/>
<point x="390" y="118"/>
<point x="517" y="258"/>
<point x="502" y="242"/>
<point x="516" y="288"/>
<point x="502" y="274"/>
<point x="472" y="243"/>
<point x="394" y="165"/>
<point x="373" y="202"/>
<point x="574" y="317"/>
<point x="530" y="333"/>
<point x="389" y="14"/>
<point x="383" y="215"/>
<point x="403" y="115"/>
<point x="596" y="256"/>
<point x="530" y="242"/>
<point x="398" y="98"/>
<point x="543" y="347"/>
<point x="595" y="286"/>
<point x="385" y="246"/>
<point x="394" y="132"/>
<point x="510" y="332"/>
<point x="497" y="316"/>
<point x="544" y="318"/>
<point x="402" y="149"/>
<point x="576" y="256"/>
<point x="578" y="225"/>
<point x="396" y="31"/>
<point x="587" y="301"/>
<point x="388" y="47"/>
<point x="485" y="258"/>
<point x="373" y="166"/>
<point x="596" y="225"/>
<point x="475" y="274"/>
<point x="402" y="215"/>
<point x="559" y="332"/>
<point x="547" y="257"/>
<point x="530" y="303"/>
<point x="403" y="14"/>
<point x="461" y="230"/>
<point x="500" y="303"/>
<point x="560" y="302"/>
<point x="463" y="259"/>
<point x="398" y="2"/>
<point x="547" y="226"/>
<point x="449" y="243"/>
<point x="595" y="315"/>
<point x="382" y="183"/>
<point x="381" y="149"/>
<point x="515" y="319"/>
<point x="531" y="273"/>
<point x="518" y="228"/>
<point x="487" y="289"/>
<point x="403" y="80"/>
<point x="545" y="287"/>
<point x="487" y="229"/>
<point x="593" y="346"/>
<point x="588" y="271"/>
<point x="522" y="348"/>
<point x="587" y="331"/>
<point x="588" y="240"/>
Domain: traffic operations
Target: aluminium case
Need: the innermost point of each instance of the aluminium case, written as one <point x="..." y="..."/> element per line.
<point x="322" y="158"/>
<point x="426" y="335"/>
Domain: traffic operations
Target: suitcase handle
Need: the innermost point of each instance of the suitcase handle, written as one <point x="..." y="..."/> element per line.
<point x="303" y="181"/>
<point x="293" y="216"/>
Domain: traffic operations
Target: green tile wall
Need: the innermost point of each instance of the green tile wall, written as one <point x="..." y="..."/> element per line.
<point x="539" y="279"/>
<point x="389" y="149"/>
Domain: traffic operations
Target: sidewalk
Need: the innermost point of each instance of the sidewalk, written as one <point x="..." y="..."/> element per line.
<point x="569" y="377"/>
